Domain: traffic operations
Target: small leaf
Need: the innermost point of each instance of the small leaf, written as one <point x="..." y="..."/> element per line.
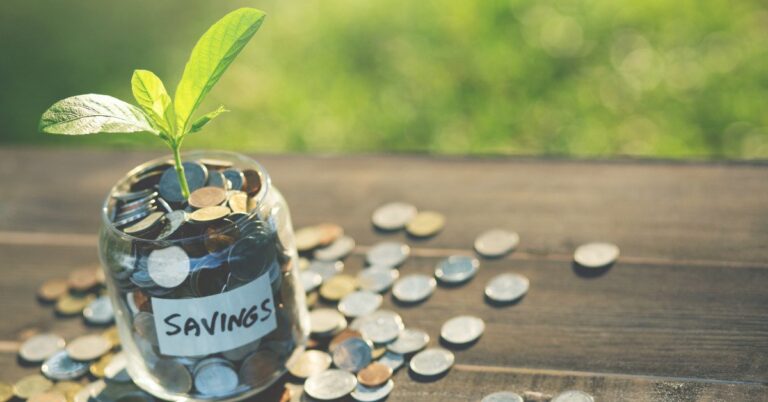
<point x="151" y="95"/>
<point x="203" y="120"/>
<point x="91" y="114"/>
<point x="213" y="53"/>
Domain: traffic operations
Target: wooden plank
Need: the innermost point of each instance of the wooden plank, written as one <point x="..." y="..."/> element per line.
<point x="664" y="211"/>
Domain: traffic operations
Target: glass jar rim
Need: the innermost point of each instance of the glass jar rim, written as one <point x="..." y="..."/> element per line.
<point x="197" y="154"/>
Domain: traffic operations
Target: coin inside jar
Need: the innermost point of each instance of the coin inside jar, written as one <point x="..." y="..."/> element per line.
<point x="374" y="374"/>
<point x="172" y="376"/>
<point x="252" y="182"/>
<point x="168" y="267"/>
<point x="169" y="187"/>
<point x="260" y="365"/>
<point x="209" y="214"/>
<point x="215" y="376"/>
<point x="309" y="363"/>
<point x="207" y="197"/>
<point x="145" y="225"/>
<point x="238" y="202"/>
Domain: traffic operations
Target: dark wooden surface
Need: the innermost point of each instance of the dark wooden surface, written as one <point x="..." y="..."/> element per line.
<point x="683" y="316"/>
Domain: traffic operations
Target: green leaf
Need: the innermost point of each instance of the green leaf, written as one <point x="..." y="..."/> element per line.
<point x="203" y="120"/>
<point x="213" y="53"/>
<point x="151" y="95"/>
<point x="91" y="114"/>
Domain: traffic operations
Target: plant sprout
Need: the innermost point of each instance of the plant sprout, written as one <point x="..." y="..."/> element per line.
<point x="157" y="113"/>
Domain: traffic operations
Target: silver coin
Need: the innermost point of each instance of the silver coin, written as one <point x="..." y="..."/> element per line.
<point x="377" y="279"/>
<point x="393" y="216"/>
<point x="330" y="384"/>
<point x="462" y="329"/>
<point x="596" y="255"/>
<point x="144" y="326"/>
<point x="352" y="354"/>
<point x="573" y="396"/>
<point x="61" y="367"/>
<point x="172" y="223"/>
<point x="414" y="288"/>
<point x="164" y="205"/>
<point x="496" y="242"/>
<point x="41" y="347"/>
<point x="135" y="216"/>
<point x="503" y="396"/>
<point x="366" y="394"/>
<point x="196" y="175"/>
<point x="382" y="326"/>
<point x="432" y="362"/>
<point x="409" y="341"/>
<point x="215" y="377"/>
<point x="337" y="250"/>
<point x="326" y="269"/>
<point x="241" y="352"/>
<point x="172" y="376"/>
<point x="393" y="360"/>
<point x="359" y="303"/>
<point x="310" y="280"/>
<point x="99" y="311"/>
<point x="235" y="177"/>
<point x="325" y="321"/>
<point x="507" y="287"/>
<point x="457" y="269"/>
<point x="388" y="254"/>
<point x="168" y="267"/>
<point x="131" y="196"/>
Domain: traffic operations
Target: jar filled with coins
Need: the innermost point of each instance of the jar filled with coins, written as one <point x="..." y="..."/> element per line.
<point x="204" y="288"/>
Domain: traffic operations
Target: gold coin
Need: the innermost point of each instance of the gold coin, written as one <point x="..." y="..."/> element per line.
<point x="112" y="336"/>
<point x="83" y="279"/>
<point x="97" y="367"/>
<point x="209" y="214"/>
<point x="378" y="352"/>
<point x="207" y="197"/>
<point x="426" y="224"/>
<point x="311" y="299"/>
<point x="88" y="347"/>
<point x="374" y="374"/>
<point x="71" y="305"/>
<point x="50" y="396"/>
<point x="53" y="289"/>
<point x="68" y="388"/>
<point x="6" y="391"/>
<point x="307" y="238"/>
<point x="303" y="264"/>
<point x="337" y="287"/>
<point x="31" y="385"/>
<point x="309" y="363"/>
<point x="238" y="202"/>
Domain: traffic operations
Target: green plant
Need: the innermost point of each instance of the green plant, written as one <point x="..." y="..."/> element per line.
<point x="158" y="114"/>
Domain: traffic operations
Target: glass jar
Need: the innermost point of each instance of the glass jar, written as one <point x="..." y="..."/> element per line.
<point x="205" y="291"/>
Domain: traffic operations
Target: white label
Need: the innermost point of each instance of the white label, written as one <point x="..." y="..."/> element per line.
<point x="212" y="324"/>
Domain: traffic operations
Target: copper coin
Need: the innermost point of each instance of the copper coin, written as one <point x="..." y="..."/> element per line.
<point x="337" y="287"/>
<point x="207" y="197"/>
<point x="328" y="233"/>
<point x="209" y="214"/>
<point x="83" y="279"/>
<point x="252" y="182"/>
<point x="53" y="289"/>
<point x="374" y="374"/>
<point x="343" y="335"/>
<point x="142" y="301"/>
<point x="220" y="235"/>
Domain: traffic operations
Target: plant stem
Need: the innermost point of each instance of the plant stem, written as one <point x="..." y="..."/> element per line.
<point x="180" y="169"/>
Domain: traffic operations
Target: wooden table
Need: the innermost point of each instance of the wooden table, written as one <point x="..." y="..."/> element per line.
<point x="683" y="316"/>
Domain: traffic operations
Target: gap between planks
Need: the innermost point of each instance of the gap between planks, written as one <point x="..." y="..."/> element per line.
<point x="14" y="238"/>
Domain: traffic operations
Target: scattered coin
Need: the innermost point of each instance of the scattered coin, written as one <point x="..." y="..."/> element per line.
<point x="367" y="394"/>
<point x="409" y="341"/>
<point x="352" y="354"/>
<point x="168" y="267"/>
<point x="573" y="396"/>
<point x="377" y="279"/>
<point x="393" y="360"/>
<point x="207" y="197"/>
<point x="88" y="347"/>
<point x="61" y="367"/>
<point x="596" y="255"/>
<point x="6" y="391"/>
<point x="310" y="362"/>
<point x="534" y="396"/>
<point x="382" y="326"/>
<point x="53" y="289"/>
<point x="457" y="269"/>
<point x="338" y="250"/>
<point x="48" y="396"/>
<point x="425" y="224"/>
<point x="342" y="336"/>
<point x="83" y="279"/>
<point x="432" y="362"/>
<point x="374" y="375"/>
<point x="99" y="311"/>
<point x="503" y="396"/>
<point x="393" y="216"/>
<point x="359" y="303"/>
<point x="310" y="280"/>
<point x="172" y="376"/>
<point x="112" y="336"/>
<point x="215" y="376"/>
<point x="330" y="384"/>
<point x="504" y="288"/>
<point x="209" y="214"/>
<point x="414" y="288"/>
<point x="98" y="367"/>
<point x="328" y="233"/>
<point x="462" y="329"/>
<point x="496" y="243"/>
<point x="388" y="254"/>
<point x="31" y="385"/>
<point x="325" y="321"/>
<point x="71" y="305"/>
<point x="335" y="288"/>
<point x="40" y="347"/>
<point x="326" y="269"/>
<point x="90" y="391"/>
<point x="68" y="388"/>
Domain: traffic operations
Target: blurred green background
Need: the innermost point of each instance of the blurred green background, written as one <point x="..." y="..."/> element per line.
<point x="659" y="78"/>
